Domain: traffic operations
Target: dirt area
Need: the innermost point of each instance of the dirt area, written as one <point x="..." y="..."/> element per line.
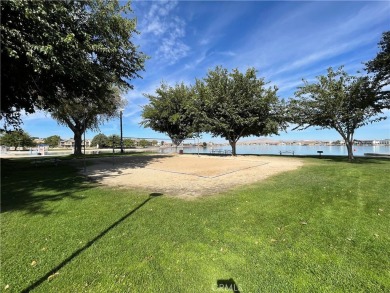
<point x="187" y="176"/>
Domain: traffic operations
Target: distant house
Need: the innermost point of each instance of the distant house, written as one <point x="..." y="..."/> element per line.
<point x="69" y="143"/>
<point x="87" y="143"/>
<point x="38" y="141"/>
<point x="368" y="142"/>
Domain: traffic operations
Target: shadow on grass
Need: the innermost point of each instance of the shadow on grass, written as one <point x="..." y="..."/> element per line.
<point x="86" y="246"/>
<point x="28" y="186"/>
<point x="103" y="167"/>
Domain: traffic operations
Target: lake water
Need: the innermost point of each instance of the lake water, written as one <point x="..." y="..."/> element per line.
<point x="297" y="149"/>
<point x="241" y="150"/>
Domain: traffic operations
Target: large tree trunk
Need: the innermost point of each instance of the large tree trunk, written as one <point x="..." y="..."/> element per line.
<point x="233" y="145"/>
<point x="78" y="143"/>
<point x="349" y="145"/>
<point x="177" y="142"/>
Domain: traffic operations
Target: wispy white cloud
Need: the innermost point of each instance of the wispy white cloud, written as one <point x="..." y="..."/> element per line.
<point x="131" y="112"/>
<point x="205" y="41"/>
<point x="288" y="50"/>
<point x="327" y="52"/>
<point x="164" y="32"/>
<point x="172" y="48"/>
<point x="221" y="21"/>
<point x="291" y="43"/>
<point x="136" y="100"/>
<point x="206" y="56"/>
<point x="284" y="41"/>
<point x="200" y="58"/>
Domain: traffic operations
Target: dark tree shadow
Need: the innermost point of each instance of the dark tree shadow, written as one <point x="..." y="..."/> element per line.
<point x="87" y="245"/>
<point x="26" y="186"/>
<point x="101" y="168"/>
<point x="228" y="285"/>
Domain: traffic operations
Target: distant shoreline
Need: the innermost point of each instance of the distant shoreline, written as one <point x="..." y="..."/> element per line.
<point x="243" y="148"/>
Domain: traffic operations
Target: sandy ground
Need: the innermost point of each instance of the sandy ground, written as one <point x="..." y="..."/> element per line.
<point x="187" y="176"/>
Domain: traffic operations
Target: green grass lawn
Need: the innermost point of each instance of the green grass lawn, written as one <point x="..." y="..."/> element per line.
<point x="322" y="228"/>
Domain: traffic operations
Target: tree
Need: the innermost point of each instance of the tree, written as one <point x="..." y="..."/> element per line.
<point x="380" y="65"/>
<point x="100" y="141"/>
<point x="77" y="47"/>
<point x="17" y="138"/>
<point x="53" y="141"/>
<point x="235" y="105"/>
<point x="169" y="111"/>
<point x="128" y="143"/>
<point x="79" y="116"/>
<point x="143" y="143"/>
<point x="114" y="141"/>
<point x="337" y="101"/>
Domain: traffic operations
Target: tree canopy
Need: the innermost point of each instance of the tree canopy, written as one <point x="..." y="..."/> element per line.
<point x="235" y="105"/>
<point x="53" y="141"/>
<point x="170" y="111"/>
<point x="129" y="143"/>
<point x="337" y="101"/>
<point x="144" y="143"/>
<point x="380" y="65"/>
<point x="113" y="140"/>
<point x="17" y="138"/>
<point x="79" y="116"/>
<point x="100" y="140"/>
<point x="75" y="47"/>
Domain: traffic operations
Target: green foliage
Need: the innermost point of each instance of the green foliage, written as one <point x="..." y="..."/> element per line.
<point x="99" y="140"/>
<point x="170" y="111"/>
<point x="322" y="228"/>
<point x="380" y="65"/>
<point x="113" y="141"/>
<point x="235" y="105"/>
<point x="78" y="47"/>
<point x="337" y="101"/>
<point x="53" y="141"/>
<point x="128" y="143"/>
<point x="79" y="116"/>
<point x="144" y="143"/>
<point x="17" y="138"/>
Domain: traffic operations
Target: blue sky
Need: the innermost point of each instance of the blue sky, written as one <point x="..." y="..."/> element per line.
<point x="285" y="41"/>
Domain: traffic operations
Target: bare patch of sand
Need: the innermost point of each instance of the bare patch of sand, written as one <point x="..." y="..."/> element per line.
<point x="187" y="176"/>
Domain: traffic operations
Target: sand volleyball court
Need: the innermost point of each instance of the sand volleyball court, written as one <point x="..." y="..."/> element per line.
<point x="187" y="176"/>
